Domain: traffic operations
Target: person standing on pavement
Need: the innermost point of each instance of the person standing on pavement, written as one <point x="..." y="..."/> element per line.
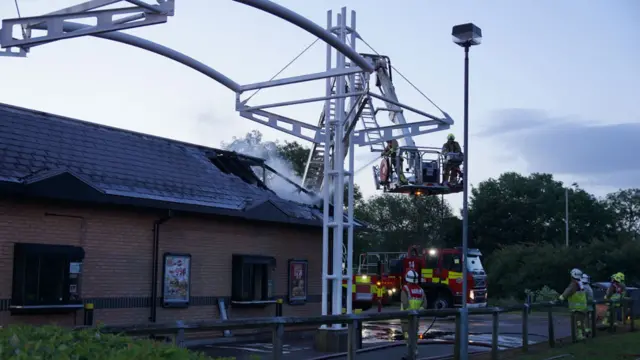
<point x="577" y="298"/>
<point x="412" y="298"/>
<point x="586" y="284"/>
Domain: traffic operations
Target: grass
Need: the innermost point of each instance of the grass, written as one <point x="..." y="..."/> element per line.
<point x="623" y="346"/>
<point x="605" y="346"/>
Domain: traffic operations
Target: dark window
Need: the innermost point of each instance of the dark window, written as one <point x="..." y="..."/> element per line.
<point x="46" y="276"/>
<point x="252" y="278"/>
<point x="452" y="262"/>
<point x="432" y="262"/>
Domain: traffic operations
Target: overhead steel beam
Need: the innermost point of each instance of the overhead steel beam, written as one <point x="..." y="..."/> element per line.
<point x="414" y="129"/>
<point x="54" y="23"/>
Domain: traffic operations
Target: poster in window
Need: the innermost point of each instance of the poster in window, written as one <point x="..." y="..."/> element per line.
<point x="298" y="283"/>
<point x="176" y="285"/>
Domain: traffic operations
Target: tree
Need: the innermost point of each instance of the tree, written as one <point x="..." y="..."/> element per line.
<point x="626" y="205"/>
<point x="398" y="221"/>
<point x="297" y="155"/>
<point x="531" y="209"/>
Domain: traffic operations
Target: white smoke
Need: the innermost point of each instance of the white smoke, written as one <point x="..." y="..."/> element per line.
<point x="252" y="145"/>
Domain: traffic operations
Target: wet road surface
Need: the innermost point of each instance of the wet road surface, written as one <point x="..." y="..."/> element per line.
<point x="388" y="332"/>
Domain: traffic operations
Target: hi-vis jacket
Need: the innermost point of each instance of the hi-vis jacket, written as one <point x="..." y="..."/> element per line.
<point x="576" y="296"/>
<point x="413" y="297"/>
<point x="616" y="291"/>
<point x="451" y="146"/>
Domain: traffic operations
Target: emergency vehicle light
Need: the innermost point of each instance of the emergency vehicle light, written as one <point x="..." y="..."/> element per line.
<point x="378" y="283"/>
<point x="433" y="252"/>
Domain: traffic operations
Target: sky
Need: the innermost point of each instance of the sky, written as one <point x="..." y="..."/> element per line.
<point x="553" y="86"/>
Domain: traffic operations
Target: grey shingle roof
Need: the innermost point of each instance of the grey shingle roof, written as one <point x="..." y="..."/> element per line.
<point x="35" y="146"/>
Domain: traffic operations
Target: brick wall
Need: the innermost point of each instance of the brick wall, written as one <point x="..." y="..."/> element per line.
<point x="118" y="253"/>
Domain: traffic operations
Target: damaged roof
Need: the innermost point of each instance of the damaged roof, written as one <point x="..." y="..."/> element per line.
<point x="40" y="151"/>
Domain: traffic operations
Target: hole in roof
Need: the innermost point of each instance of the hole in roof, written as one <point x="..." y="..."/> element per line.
<point x="239" y="165"/>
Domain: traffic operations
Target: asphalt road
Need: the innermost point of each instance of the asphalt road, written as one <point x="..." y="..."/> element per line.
<point x="376" y="334"/>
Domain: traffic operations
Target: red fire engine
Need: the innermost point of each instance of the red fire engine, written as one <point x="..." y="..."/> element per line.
<point x="440" y="274"/>
<point x="364" y="292"/>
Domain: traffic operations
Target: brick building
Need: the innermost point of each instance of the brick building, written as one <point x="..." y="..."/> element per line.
<point x="95" y="214"/>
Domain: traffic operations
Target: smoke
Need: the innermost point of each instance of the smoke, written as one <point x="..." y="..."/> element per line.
<point x="252" y="145"/>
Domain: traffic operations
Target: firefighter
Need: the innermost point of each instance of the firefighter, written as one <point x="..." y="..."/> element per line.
<point x="586" y="283"/>
<point x="413" y="298"/>
<point x="577" y="298"/>
<point x="391" y="151"/>
<point x="451" y="146"/>
<point x="616" y="291"/>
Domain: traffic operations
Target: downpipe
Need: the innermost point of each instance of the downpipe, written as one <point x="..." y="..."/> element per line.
<point x="154" y="264"/>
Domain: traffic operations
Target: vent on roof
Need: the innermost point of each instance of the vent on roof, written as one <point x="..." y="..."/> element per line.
<point x="239" y="165"/>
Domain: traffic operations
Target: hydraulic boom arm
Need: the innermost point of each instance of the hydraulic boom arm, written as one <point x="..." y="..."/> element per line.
<point x="396" y="115"/>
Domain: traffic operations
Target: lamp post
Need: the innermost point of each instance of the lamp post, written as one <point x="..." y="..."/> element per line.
<point x="465" y="35"/>
<point x="566" y="216"/>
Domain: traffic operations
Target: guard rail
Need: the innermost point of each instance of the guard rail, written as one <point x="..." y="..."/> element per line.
<point x="353" y="323"/>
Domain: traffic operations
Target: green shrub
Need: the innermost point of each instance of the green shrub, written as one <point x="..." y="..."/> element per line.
<point x="516" y="268"/>
<point x="542" y="295"/>
<point x="52" y="342"/>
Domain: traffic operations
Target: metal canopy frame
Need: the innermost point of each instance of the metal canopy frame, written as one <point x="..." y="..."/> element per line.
<point x="335" y="132"/>
<point x="141" y="14"/>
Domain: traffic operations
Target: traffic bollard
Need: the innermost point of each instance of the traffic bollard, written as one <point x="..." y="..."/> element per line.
<point x="279" y="305"/>
<point x="180" y="334"/>
<point x="525" y="328"/>
<point x="88" y="314"/>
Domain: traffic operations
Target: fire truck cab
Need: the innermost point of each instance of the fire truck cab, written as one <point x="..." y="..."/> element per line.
<point x="440" y="275"/>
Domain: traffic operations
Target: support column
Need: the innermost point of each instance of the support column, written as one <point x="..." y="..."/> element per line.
<point x="335" y="338"/>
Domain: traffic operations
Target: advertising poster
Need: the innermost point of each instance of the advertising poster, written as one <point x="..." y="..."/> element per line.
<point x="298" y="281"/>
<point x="176" y="281"/>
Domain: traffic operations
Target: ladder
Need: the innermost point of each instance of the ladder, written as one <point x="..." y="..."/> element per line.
<point x="370" y="123"/>
<point x="368" y="116"/>
<point x="314" y="172"/>
<point x="368" y="263"/>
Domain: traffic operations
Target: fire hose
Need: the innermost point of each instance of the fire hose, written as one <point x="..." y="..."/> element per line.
<point x="424" y="333"/>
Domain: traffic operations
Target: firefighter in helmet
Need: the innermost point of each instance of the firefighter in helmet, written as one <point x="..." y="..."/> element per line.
<point x="616" y="291"/>
<point x="391" y="151"/>
<point x="577" y="298"/>
<point x="451" y="146"/>
<point x="413" y="298"/>
<point x="586" y="283"/>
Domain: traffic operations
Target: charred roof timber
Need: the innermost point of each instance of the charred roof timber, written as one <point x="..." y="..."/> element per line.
<point x="230" y="162"/>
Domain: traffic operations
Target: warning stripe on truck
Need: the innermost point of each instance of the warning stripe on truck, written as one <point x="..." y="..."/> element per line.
<point x="452" y="277"/>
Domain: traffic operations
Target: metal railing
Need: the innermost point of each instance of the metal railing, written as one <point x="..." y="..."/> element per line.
<point x="354" y="322"/>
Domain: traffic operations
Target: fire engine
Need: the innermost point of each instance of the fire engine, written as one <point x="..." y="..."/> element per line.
<point x="440" y="275"/>
<point x="365" y="291"/>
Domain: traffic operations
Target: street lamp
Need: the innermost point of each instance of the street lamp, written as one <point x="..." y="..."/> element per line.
<point x="465" y="35"/>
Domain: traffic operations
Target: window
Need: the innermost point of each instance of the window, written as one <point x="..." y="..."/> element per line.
<point x="452" y="262"/>
<point x="46" y="277"/>
<point x="252" y="279"/>
<point x="431" y="261"/>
